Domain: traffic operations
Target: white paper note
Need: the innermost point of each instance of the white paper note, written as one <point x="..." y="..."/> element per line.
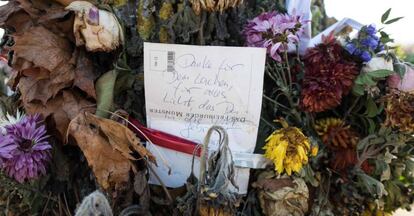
<point x="190" y="88"/>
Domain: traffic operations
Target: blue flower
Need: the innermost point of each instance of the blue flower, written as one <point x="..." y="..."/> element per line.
<point x="365" y="56"/>
<point x="370" y="42"/>
<point x="371" y="30"/>
<point x="350" y="47"/>
<point x="357" y="52"/>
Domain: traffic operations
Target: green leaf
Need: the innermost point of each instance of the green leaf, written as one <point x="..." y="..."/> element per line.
<point x="372" y="126"/>
<point x="372" y="108"/>
<point x="385" y="16"/>
<point x="365" y="79"/>
<point x="105" y="93"/>
<point x="380" y="73"/>
<point x="400" y="69"/>
<point x="393" y="20"/>
<point x="358" y="90"/>
<point x="372" y="185"/>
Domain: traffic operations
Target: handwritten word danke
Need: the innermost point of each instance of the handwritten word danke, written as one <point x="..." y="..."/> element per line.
<point x="190" y="60"/>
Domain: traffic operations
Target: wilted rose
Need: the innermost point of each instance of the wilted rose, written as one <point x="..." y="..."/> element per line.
<point x="405" y="84"/>
<point x="280" y="196"/>
<point x="98" y="30"/>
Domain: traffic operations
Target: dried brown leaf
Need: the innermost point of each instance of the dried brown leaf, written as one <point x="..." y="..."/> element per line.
<point x="19" y="22"/>
<point x="7" y="10"/>
<point x="110" y="167"/>
<point x="107" y="147"/>
<point x="49" y="51"/>
<point x="60" y="110"/>
<point x="85" y="76"/>
<point x="35" y="84"/>
<point x="120" y="137"/>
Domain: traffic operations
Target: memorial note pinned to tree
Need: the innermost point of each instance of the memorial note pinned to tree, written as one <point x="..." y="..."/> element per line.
<point x="188" y="89"/>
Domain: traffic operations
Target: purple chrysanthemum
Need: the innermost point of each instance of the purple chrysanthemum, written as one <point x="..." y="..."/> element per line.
<point x="24" y="149"/>
<point x="274" y="31"/>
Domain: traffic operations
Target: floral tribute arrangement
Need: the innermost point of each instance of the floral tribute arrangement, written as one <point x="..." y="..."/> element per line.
<point x="337" y="122"/>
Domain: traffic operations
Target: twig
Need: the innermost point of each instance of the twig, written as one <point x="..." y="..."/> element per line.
<point x="275" y="102"/>
<point x="66" y="204"/>
<point x="47" y="203"/>
<point x="288" y="70"/>
<point x="267" y="122"/>
<point x="348" y="112"/>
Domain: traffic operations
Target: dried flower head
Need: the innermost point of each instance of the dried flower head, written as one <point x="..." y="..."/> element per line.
<point x="274" y="31"/>
<point x="399" y="109"/>
<point x="288" y="148"/>
<point x="335" y="134"/>
<point x="28" y="149"/>
<point x="282" y="195"/>
<point x="98" y="30"/>
<point x="328" y="76"/>
<point x="342" y="140"/>
<point x="214" y="5"/>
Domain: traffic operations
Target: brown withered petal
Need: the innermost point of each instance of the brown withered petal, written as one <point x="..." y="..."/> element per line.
<point x="336" y="135"/>
<point x="399" y="109"/>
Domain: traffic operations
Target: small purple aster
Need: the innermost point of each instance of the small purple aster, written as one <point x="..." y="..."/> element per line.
<point x="274" y="31"/>
<point x="31" y="153"/>
<point x="7" y="146"/>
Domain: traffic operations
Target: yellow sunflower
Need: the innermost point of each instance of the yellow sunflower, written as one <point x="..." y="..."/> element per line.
<point x="288" y="148"/>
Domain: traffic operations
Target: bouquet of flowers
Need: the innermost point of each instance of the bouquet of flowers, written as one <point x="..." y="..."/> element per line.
<point x="341" y="117"/>
<point x="336" y="122"/>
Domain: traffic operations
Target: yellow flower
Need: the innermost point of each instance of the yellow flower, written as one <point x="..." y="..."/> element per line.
<point x="288" y="149"/>
<point x="314" y="150"/>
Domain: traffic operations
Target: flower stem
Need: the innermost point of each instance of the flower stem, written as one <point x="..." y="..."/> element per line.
<point x="288" y="71"/>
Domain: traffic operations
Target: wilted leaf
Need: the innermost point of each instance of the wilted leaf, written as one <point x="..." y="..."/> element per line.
<point x="141" y="187"/>
<point x="7" y="10"/>
<point x="35" y="85"/>
<point x="19" y="22"/>
<point x="105" y="93"/>
<point x="372" y="185"/>
<point x="85" y="76"/>
<point x="107" y="145"/>
<point x="60" y="110"/>
<point x="12" y="16"/>
<point x="45" y="50"/>
<point x="273" y="184"/>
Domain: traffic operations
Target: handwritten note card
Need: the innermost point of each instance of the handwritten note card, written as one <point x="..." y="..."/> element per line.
<point x="190" y="88"/>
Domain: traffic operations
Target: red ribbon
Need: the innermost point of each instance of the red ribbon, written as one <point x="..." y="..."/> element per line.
<point x="164" y="139"/>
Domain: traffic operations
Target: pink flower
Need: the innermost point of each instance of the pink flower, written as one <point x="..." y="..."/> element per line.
<point x="406" y="84"/>
<point x="274" y="31"/>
